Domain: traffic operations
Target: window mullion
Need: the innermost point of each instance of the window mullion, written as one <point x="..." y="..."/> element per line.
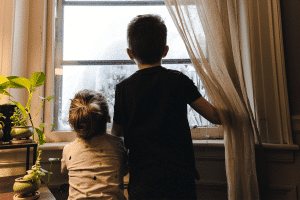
<point x="113" y="3"/>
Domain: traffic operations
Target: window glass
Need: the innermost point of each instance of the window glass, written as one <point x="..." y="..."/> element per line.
<point x="104" y="78"/>
<point x="99" y="33"/>
<point x="92" y="54"/>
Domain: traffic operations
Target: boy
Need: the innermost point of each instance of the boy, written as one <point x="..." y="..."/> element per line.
<point x="96" y="161"/>
<point x="151" y="113"/>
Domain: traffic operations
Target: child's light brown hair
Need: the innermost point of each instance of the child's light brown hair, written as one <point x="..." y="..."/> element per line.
<point x="89" y="114"/>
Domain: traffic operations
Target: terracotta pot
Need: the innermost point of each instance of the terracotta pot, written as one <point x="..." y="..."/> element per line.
<point x="19" y="132"/>
<point x="22" y="186"/>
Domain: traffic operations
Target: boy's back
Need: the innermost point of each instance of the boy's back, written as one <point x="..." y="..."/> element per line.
<point x="151" y="113"/>
<point x="152" y="107"/>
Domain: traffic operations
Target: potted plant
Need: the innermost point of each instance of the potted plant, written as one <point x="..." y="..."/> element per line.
<point x="36" y="80"/>
<point x="6" y="111"/>
<point x="20" y="132"/>
<point x="1" y="126"/>
<point x="26" y="186"/>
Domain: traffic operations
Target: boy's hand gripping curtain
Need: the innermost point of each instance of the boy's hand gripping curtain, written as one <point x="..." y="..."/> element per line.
<point x="220" y="68"/>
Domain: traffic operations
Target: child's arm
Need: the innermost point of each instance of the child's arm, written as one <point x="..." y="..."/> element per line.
<point x="206" y="109"/>
<point x="63" y="164"/>
<point x="117" y="130"/>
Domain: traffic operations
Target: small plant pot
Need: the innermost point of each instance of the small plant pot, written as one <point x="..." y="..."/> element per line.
<point x="1" y="135"/>
<point x="21" y="132"/>
<point x="26" y="187"/>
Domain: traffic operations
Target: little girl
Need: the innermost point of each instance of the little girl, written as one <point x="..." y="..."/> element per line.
<point x="96" y="161"/>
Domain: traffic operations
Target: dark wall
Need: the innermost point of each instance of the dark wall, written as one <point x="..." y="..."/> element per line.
<point x="290" y="11"/>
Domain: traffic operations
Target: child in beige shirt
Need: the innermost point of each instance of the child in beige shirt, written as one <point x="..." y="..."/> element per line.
<point x="96" y="161"/>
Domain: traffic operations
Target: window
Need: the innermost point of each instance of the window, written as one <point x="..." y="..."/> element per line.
<point x="91" y="51"/>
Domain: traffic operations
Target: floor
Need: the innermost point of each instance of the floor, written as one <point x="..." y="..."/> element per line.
<point x="60" y="193"/>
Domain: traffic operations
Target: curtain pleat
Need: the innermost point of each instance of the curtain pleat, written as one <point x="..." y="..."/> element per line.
<point x="221" y="72"/>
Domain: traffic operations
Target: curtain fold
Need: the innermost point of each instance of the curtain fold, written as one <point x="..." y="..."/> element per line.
<point x="221" y="72"/>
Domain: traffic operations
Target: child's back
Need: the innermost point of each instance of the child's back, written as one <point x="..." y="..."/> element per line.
<point x="152" y="110"/>
<point x="96" y="162"/>
<point x="151" y="113"/>
<point x="96" y="169"/>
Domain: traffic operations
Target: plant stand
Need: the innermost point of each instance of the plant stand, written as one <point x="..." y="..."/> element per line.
<point x="21" y="141"/>
<point x="26" y="145"/>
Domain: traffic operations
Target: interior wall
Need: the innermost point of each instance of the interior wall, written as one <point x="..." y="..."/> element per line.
<point x="290" y="11"/>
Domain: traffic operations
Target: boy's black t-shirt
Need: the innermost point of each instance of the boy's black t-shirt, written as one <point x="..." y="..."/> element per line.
<point x="151" y="105"/>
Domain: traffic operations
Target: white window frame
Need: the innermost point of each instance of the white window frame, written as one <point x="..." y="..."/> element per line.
<point x="271" y="43"/>
<point x="58" y="60"/>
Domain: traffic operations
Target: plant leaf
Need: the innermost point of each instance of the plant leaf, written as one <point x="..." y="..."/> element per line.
<point x="42" y="138"/>
<point x="4" y="92"/>
<point x="42" y="125"/>
<point x="37" y="79"/>
<point x="23" y="110"/>
<point x="19" y="82"/>
<point x="4" y="82"/>
<point x="49" y="98"/>
<point x="53" y="159"/>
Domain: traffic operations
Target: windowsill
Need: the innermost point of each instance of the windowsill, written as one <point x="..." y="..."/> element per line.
<point x="220" y="143"/>
<point x="196" y="143"/>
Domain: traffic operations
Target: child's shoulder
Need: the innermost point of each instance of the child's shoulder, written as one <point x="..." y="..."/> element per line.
<point x="113" y="138"/>
<point x="170" y="73"/>
<point x="72" y="145"/>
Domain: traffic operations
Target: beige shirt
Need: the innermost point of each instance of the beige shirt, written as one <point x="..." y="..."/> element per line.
<point x="96" y="169"/>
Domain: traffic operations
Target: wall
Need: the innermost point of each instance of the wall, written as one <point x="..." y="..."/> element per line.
<point x="291" y="31"/>
<point x="283" y="164"/>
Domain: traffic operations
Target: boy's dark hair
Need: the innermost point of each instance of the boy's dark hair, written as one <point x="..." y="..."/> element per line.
<point x="147" y="38"/>
<point x="88" y="114"/>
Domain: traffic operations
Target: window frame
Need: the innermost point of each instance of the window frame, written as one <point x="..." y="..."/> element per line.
<point x="59" y="62"/>
<point x="276" y="42"/>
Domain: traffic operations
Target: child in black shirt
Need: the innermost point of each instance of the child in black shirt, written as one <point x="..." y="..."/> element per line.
<point x="151" y="113"/>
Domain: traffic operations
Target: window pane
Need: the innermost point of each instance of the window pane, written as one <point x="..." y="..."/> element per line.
<point x="104" y="79"/>
<point x="99" y="32"/>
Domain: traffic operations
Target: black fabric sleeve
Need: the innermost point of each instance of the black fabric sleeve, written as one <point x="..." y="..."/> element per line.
<point x="188" y="88"/>
<point x="118" y="107"/>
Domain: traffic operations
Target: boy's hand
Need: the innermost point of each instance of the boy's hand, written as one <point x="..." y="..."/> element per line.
<point x="207" y="110"/>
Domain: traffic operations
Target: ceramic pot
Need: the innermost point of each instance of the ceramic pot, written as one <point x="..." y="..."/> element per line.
<point x="7" y="110"/>
<point x="1" y="134"/>
<point x="19" y="132"/>
<point x="22" y="186"/>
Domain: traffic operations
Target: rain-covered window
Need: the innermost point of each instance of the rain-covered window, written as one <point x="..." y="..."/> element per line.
<point x="91" y="51"/>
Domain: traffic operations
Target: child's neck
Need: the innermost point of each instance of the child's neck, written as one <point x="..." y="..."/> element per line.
<point x="144" y="66"/>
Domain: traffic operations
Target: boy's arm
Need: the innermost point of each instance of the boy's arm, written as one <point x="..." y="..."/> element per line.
<point x="206" y="109"/>
<point x="117" y="130"/>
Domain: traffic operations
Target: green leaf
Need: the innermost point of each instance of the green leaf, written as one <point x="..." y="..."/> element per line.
<point x="4" y="82"/>
<point x="42" y="138"/>
<point x="42" y="125"/>
<point x="4" y="92"/>
<point x="19" y="82"/>
<point x="21" y="108"/>
<point x="53" y="159"/>
<point x="3" y="79"/>
<point x="49" y="98"/>
<point x="37" y="79"/>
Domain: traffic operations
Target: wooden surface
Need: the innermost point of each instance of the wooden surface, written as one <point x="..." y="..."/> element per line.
<point x="6" y="189"/>
<point x="25" y="145"/>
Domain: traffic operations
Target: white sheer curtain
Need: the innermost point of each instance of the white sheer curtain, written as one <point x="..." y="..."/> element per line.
<point x="222" y="75"/>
